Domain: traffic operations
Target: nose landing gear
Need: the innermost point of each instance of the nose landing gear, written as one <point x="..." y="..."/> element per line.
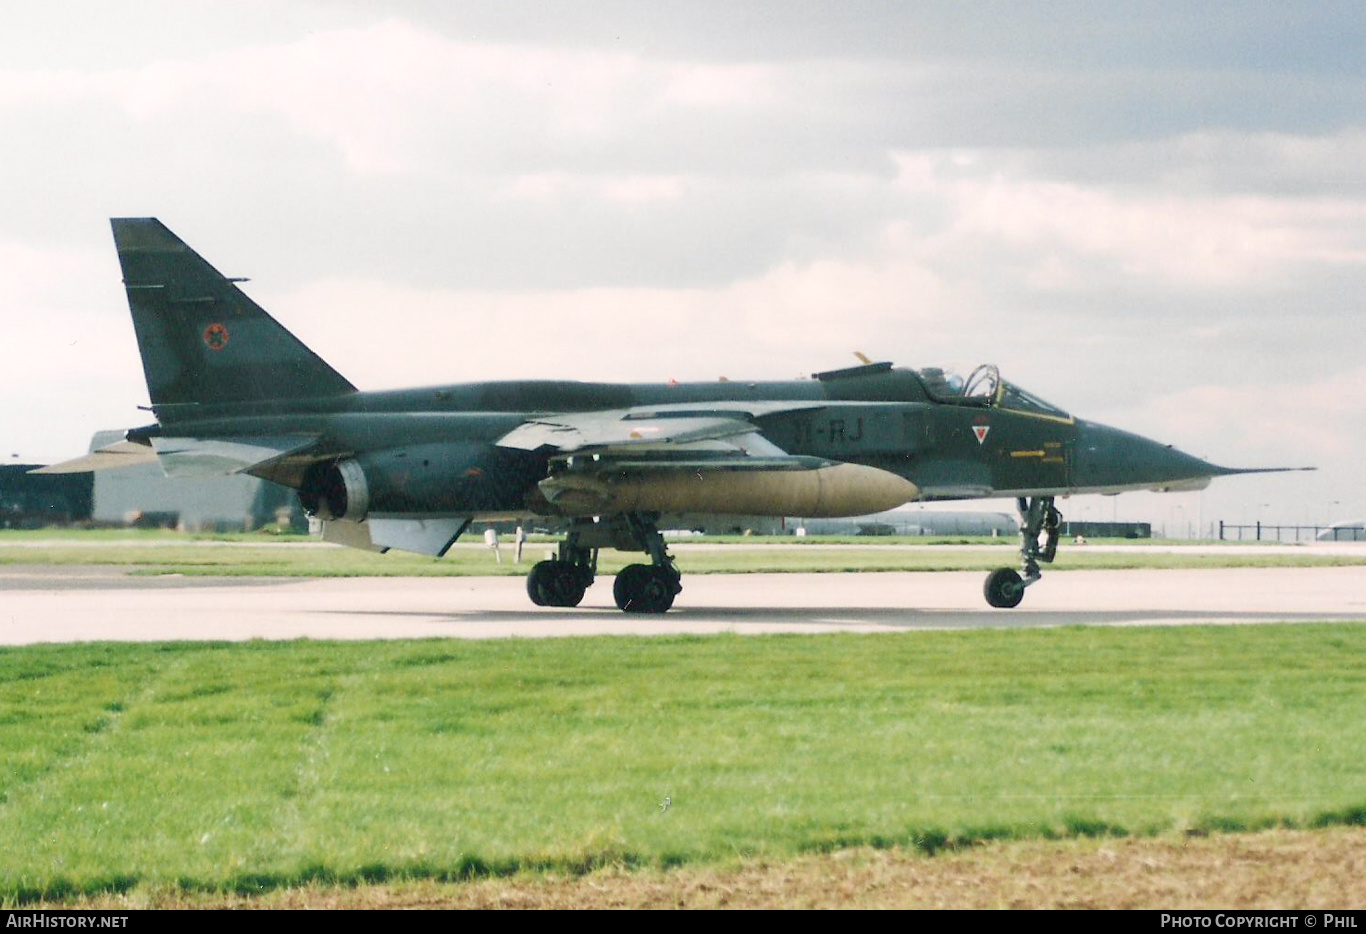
<point x="1039" y="524"/>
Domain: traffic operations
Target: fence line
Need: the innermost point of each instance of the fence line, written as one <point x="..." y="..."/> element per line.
<point x="1290" y="533"/>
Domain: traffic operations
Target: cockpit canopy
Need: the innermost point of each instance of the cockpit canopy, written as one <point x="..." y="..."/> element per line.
<point x="983" y="387"/>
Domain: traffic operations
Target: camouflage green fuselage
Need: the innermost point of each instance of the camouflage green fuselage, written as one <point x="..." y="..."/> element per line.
<point x="874" y="416"/>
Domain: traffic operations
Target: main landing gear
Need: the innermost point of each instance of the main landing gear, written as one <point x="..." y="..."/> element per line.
<point x="563" y="580"/>
<point x="1039" y="523"/>
<point x="639" y="588"/>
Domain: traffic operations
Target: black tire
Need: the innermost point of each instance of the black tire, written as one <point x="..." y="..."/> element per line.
<point x="535" y="580"/>
<point x="564" y="585"/>
<point x="660" y="593"/>
<point x="557" y="583"/>
<point x="1004" y="588"/>
<point x="628" y="588"/>
<point x="640" y="588"/>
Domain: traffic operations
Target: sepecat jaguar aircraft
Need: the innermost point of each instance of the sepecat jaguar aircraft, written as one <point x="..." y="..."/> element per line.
<point x="235" y="392"/>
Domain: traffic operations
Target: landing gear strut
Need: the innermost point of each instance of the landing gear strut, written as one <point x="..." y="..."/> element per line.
<point x="1039" y="523"/>
<point x="639" y="588"/>
<point x="647" y="588"/>
<point x="563" y="580"/>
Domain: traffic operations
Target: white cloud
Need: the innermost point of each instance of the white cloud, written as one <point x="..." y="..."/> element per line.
<point x="390" y="96"/>
<point x="1320" y="419"/>
<point x="631" y="190"/>
<point x="793" y="318"/>
<point x="39" y="278"/>
<point x="538" y="186"/>
<point x="721" y="86"/>
<point x="644" y="189"/>
<point x="1203" y="242"/>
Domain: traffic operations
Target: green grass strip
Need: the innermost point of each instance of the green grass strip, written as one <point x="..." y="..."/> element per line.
<point x="245" y="767"/>
<point x="304" y="560"/>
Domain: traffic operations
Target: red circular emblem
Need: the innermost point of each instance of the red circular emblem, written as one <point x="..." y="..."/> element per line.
<point x="216" y="337"/>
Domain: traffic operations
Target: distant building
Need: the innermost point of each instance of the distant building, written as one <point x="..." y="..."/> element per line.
<point x="143" y="495"/>
<point x="1107" y="529"/>
<point x="914" y="522"/>
<point x="32" y="501"/>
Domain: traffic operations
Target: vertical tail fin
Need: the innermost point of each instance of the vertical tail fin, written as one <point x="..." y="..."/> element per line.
<point x="203" y="341"/>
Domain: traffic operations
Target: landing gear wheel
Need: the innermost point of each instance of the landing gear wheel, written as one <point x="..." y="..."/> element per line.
<point x="1040" y="528"/>
<point x="535" y="580"/>
<point x="1004" y="588"/>
<point x="556" y="583"/>
<point x="642" y="588"/>
<point x="566" y="586"/>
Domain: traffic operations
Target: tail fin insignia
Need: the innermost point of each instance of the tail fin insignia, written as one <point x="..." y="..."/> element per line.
<point x="216" y="336"/>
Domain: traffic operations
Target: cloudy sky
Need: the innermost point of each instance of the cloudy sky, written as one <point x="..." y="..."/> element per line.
<point x="1151" y="214"/>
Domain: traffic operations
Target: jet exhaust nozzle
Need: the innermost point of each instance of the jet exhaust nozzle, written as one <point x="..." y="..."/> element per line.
<point x="335" y="490"/>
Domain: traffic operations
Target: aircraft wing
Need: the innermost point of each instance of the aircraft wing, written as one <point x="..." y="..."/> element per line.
<point x="670" y="425"/>
<point x="119" y="454"/>
<point x="189" y="457"/>
<point x="597" y="452"/>
<point x="657" y="439"/>
<point x="217" y="457"/>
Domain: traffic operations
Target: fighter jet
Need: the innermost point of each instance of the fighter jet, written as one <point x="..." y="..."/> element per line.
<point x="234" y="392"/>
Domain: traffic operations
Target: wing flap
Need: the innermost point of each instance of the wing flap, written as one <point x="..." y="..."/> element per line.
<point x="109" y="457"/>
<point x="702" y="464"/>
<point x="675" y="423"/>
<point x="217" y="457"/>
<point x="422" y="536"/>
<point x="603" y="429"/>
<point x="351" y="534"/>
<point x="741" y="451"/>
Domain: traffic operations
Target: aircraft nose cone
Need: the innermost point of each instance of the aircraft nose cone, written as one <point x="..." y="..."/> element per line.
<point x="1108" y="458"/>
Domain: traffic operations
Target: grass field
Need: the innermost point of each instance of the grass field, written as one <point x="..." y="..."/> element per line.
<point x="1273" y="869"/>
<point x="247" y="768"/>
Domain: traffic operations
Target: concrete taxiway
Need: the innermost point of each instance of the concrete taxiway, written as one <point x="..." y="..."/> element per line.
<point x="63" y="604"/>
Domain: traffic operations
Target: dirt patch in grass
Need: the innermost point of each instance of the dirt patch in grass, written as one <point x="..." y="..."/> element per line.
<point x="1279" y="869"/>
